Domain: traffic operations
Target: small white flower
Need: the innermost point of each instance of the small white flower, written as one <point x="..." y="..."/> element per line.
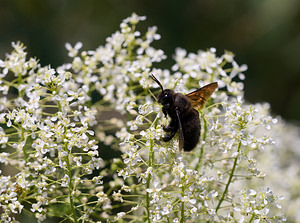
<point x="73" y="51"/>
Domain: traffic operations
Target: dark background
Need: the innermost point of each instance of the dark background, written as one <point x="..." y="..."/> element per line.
<point x="264" y="34"/>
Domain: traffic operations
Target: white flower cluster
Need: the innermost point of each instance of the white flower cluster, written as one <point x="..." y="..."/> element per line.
<point x="45" y="133"/>
<point x="232" y="136"/>
<point x="47" y="137"/>
<point x="188" y="187"/>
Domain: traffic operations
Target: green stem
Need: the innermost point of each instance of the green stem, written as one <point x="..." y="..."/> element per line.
<point x="252" y="217"/>
<point x="69" y="172"/>
<point x="24" y="149"/>
<point x="150" y="164"/>
<point x="230" y="178"/>
<point x="71" y="189"/>
<point x="182" y="206"/>
<point x="19" y="78"/>
<point x="202" y="146"/>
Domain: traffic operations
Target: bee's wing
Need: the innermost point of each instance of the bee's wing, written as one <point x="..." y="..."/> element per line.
<point x="198" y="98"/>
<point x="180" y="132"/>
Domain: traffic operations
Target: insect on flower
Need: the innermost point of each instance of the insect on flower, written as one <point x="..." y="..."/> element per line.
<point x="182" y="111"/>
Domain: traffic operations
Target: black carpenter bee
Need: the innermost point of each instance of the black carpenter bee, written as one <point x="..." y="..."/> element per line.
<point x="184" y="116"/>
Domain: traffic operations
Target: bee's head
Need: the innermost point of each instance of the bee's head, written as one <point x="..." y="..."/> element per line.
<point x="166" y="96"/>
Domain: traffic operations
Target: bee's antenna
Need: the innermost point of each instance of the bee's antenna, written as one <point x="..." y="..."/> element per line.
<point x="154" y="78"/>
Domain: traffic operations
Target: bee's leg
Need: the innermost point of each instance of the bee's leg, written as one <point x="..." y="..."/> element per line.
<point x="167" y="138"/>
<point x="171" y="127"/>
<point x="180" y="130"/>
<point x="165" y="109"/>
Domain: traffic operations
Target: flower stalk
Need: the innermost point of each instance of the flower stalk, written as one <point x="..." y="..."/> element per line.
<point x="150" y="165"/>
<point x="202" y="145"/>
<point x="71" y="189"/>
<point x="182" y="218"/>
<point x="230" y="178"/>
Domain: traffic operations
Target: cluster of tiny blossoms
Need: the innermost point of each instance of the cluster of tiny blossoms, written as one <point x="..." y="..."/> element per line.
<point x="45" y="139"/>
<point x="50" y="133"/>
<point x="204" y="184"/>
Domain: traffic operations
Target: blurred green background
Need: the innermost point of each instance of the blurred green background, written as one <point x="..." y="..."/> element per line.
<point x="264" y="34"/>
